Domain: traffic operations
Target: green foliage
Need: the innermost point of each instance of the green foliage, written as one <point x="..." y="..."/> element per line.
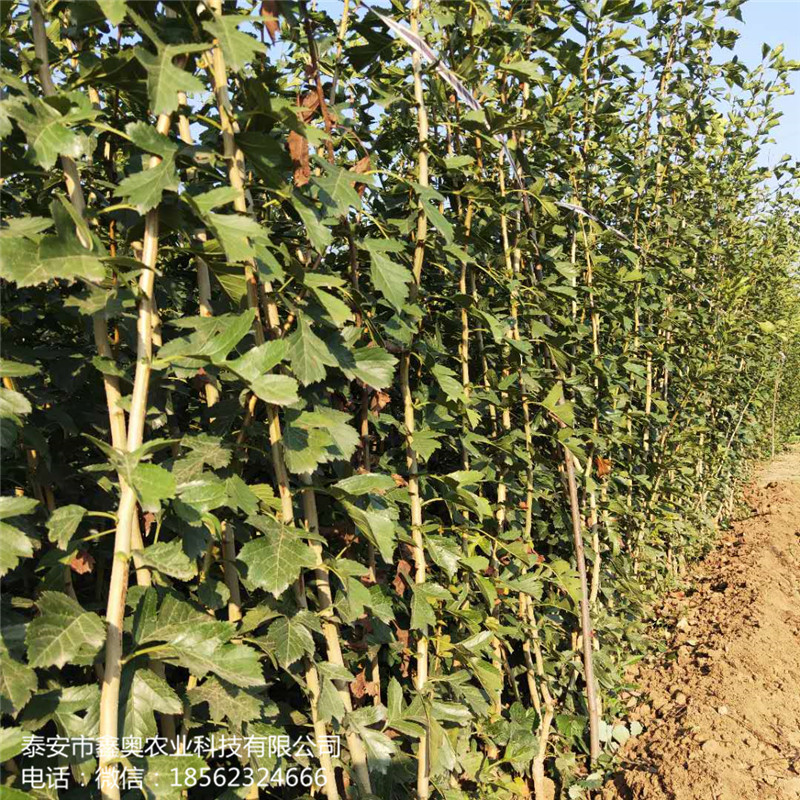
<point x="625" y="292"/>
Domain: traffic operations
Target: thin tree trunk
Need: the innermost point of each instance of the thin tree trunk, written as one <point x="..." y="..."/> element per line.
<point x="420" y="571"/>
<point x="115" y="611"/>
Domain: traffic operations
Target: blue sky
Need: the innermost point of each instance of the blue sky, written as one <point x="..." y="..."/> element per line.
<point x="774" y="22"/>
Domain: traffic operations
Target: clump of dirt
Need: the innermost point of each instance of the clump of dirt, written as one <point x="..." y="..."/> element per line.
<point x="721" y="707"/>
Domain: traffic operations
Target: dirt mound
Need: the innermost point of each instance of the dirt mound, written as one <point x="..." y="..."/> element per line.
<point x="721" y="707"/>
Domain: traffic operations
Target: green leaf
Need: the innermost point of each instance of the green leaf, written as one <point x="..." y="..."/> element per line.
<point x="426" y="443"/>
<point x="165" y="80"/>
<point x="337" y="310"/>
<point x="448" y="382"/>
<point x="17" y="683"/>
<point x="236" y="233"/>
<point x="208" y="201"/>
<point x="14" y="543"/>
<point x="144" y="189"/>
<point x="389" y="278"/>
<point x="16" y="506"/>
<point x="374" y="366"/>
<point x="240" y="496"/>
<point x="319" y="235"/>
<point x="275" y="560"/>
<point x="525" y="70"/>
<point x="13" y="369"/>
<point x="363" y="484"/>
<point x="12" y="742"/>
<point x="235" y="663"/>
<point x="444" y="552"/>
<point x="12" y="403"/>
<point x="46" y="126"/>
<point x="257" y="361"/>
<point x="169" y="559"/>
<point x="379" y="528"/>
<point x="554" y="402"/>
<point x="60" y="256"/>
<point x="9" y="793"/>
<point x="253" y="366"/>
<point x="63" y="523"/>
<point x="237" y="47"/>
<point x="213" y="594"/>
<point x="153" y="484"/>
<point x="204" y="494"/>
<point x="330" y="705"/>
<point x="291" y="640"/>
<point x="278" y="390"/>
<point x="317" y="437"/>
<point x="226" y="701"/>
<point x="142" y="693"/>
<point x="458" y="162"/>
<point x="213" y="339"/>
<point x="308" y="354"/>
<point x="63" y="632"/>
<point x="422" y="614"/>
<point x="381" y="750"/>
<point x="336" y="189"/>
<point x="113" y="9"/>
<point x="435" y="217"/>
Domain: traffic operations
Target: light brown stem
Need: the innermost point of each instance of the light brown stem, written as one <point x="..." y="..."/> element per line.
<point x="115" y="610"/>
<point x="586" y="622"/>
<point x="236" y="172"/>
<point x="330" y="630"/>
<point x="420" y="572"/>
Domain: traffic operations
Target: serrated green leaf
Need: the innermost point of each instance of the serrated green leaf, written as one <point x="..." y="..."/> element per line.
<point x="169" y="559"/>
<point x="142" y="693"/>
<point x="63" y="632"/>
<point x="144" y="189"/>
<point x="63" y="523"/>
<point x="165" y="79"/>
<point x="389" y="278"/>
<point x="237" y="47"/>
<point x="153" y="484"/>
<point x="308" y="354"/>
<point x="17" y="683"/>
<point x="374" y="366"/>
<point x="330" y="705"/>
<point x="291" y="640"/>
<point x="12" y="742"/>
<point x="363" y="484"/>
<point x="226" y="701"/>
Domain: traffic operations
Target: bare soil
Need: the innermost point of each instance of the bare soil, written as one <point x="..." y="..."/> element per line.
<point x="721" y="706"/>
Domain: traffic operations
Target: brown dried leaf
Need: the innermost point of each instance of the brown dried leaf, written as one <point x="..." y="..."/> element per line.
<point x="361" y="687"/>
<point x="362" y="165"/>
<point x="270" y="10"/>
<point x="603" y="466"/>
<point x="403" y="568"/>
<point x="82" y="563"/>
<point x="379" y="401"/>
<point x="149" y="519"/>
<point x="309" y="103"/>
<point x="298" y="151"/>
<point x="399" y="480"/>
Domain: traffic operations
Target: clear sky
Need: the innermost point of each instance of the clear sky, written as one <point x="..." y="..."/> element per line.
<point x="774" y="22"/>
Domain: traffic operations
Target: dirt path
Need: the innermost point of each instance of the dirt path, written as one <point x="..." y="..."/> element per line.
<point x="721" y="708"/>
